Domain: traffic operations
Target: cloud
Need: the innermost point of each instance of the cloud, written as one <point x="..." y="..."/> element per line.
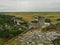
<point x="29" y="5"/>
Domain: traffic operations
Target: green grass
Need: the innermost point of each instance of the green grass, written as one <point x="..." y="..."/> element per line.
<point x="1" y="41"/>
<point x="29" y="15"/>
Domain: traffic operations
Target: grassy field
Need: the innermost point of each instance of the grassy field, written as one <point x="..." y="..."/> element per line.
<point x="1" y="41"/>
<point x="29" y="15"/>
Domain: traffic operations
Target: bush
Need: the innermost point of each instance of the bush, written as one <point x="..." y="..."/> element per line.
<point x="9" y="29"/>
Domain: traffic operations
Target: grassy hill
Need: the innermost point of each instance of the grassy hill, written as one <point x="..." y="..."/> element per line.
<point x="27" y="16"/>
<point x="9" y="28"/>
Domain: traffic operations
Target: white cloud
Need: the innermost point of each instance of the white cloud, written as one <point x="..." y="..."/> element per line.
<point x="29" y="5"/>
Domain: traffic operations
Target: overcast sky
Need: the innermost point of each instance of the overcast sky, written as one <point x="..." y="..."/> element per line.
<point x="29" y="5"/>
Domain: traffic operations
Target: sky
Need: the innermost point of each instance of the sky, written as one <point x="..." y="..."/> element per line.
<point x="29" y="5"/>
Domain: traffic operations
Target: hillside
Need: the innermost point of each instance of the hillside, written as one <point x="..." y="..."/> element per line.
<point x="11" y="26"/>
<point x="15" y="23"/>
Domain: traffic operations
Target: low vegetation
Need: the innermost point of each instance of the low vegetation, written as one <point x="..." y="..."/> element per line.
<point x="9" y="28"/>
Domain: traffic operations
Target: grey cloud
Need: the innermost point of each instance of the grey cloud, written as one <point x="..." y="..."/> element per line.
<point x="29" y="5"/>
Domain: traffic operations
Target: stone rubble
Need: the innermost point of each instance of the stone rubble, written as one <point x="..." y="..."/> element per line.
<point x="35" y="38"/>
